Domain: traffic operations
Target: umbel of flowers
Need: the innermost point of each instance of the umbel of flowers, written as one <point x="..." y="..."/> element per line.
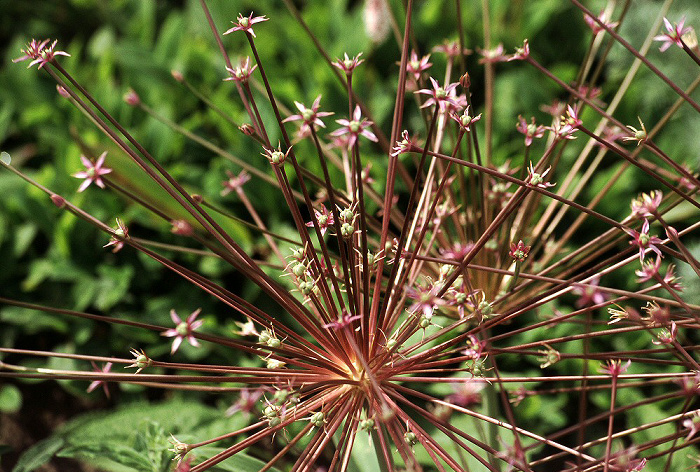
<point x="379" y="311"/>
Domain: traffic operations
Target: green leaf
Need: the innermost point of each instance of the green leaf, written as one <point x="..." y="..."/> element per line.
<point x="237" y="463"/>
<point x="10" y="399"/>
<point x="113" y="451"/>
<point x="38" y="455"/>
<point x="24" y="235"/>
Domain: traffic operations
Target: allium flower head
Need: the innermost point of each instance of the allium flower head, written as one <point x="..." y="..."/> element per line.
<point x="183" y="329"/>
<point x="673" y="34"/>
<point x="403" y="146"/>
<point x="93" y="172"/>
<point x="247" y="401"/>
<point x="355" y="127"/>
<point x="39" y="53"/>
<point x="275" y="156"/>
<point x="666" y="336"/>
<point x="182" y="227"/>
<point x="467" y="392"/>
<point x="425" y="299"/>
<point x="309" y="116"/>
<point x="650" y="268"/>
<point x="245" y="23"/>
<point x="692" y="424"/>
<point x="344" y="319"/>
<point x="131" y="98"/>
<point x="451" y="49"/>
<point x="141" y="360"/>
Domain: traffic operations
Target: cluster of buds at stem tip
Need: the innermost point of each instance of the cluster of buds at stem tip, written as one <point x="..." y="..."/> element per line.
<point x="273" y="414"/>
<point x="347" y="222"/>
<point x="268" y="338"/>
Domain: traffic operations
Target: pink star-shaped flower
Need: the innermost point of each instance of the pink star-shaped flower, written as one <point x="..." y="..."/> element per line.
<point x="530" y="130"/>
<point x="426" y="300"/>
<point x="403" y="146"/>
<point x="492" y="55"/>
<point x="595" y="26"/>
<point x="614" y="367"/>
<point x="242" y="72"/>
<point x="345" y="319"/>
<point x="591" y="295"/>
<point x="672" y="35"/>
<point x="105" y="369"/>
<point x="439" y="95"/>
<point x="465" y="120"/>
<point x="649" y="270"/>
<point x="311" y="115"/>
<point x="415" y="66"/>
<point x="348" y="65"/>
<point x="234" y="182"/>
<point x="39" y="53"/>
<point x="519" y="251"/>
<point x="646" y="204"/>
<point x="245" y="23"/>
<point x="183" y="329"/>
<point x="353" y="128"/>
<point x="325" y="219"/>
<point x="643" y="241"/>
<point x="92" y="172"/>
